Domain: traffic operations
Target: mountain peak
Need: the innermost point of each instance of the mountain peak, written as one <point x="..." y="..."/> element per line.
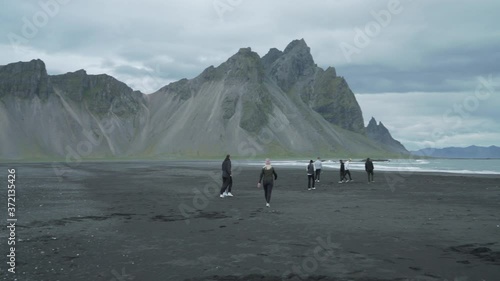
<point x="244" y="65"/>
<point x="274" y="51"/>
<point x="298" y="44"/>
<point x="295" y="63"/>
<point x="24" y="79"/>
<point x="299" y="50"/>
<point x="331" y="71"/>
<point x="271" y="57"/>
<point x="36" y="65"/>
<point x="245" y="51"/>
<point x="37" y="62"/>
<point x="380" y="134"/>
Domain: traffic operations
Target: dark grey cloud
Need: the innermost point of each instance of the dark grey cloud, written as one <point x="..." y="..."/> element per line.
<point x="454" y="69"/>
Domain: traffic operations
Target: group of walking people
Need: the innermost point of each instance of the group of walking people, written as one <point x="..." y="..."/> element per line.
<point x="266" y="180"/>
<point x="268" y="176"/>
<point x="314" y="171"/>
<point x="344" y="171"/>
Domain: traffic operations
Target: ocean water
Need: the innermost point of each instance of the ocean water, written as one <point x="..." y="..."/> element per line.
<point x="457" y="166"/>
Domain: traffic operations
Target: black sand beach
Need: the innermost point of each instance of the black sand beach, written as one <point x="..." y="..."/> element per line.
<point x="165" y="221"/>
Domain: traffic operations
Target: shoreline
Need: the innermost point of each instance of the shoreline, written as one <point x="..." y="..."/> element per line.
<point x="251" y="163"/>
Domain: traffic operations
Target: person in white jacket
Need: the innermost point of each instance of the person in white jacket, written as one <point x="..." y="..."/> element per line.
<point x="346" y="164"/>
<point x="317" y="166"/>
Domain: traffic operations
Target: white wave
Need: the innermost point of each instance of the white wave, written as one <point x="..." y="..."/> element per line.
<point x="417" y="166"/>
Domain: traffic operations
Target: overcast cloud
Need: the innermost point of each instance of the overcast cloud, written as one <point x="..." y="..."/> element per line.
<point x="409" y="62"/>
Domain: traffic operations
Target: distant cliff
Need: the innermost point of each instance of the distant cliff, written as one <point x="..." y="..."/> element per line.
<point x="460" y="152"/>
<point x="281" y="105"/>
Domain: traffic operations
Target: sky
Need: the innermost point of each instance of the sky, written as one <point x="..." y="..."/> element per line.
<point x="428" y="70"/>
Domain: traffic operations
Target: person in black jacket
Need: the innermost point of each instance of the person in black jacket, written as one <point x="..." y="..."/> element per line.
<point x="227" y="180"/>
<point x="369" y="169"/>
<point x="310" y="175"/>
<point x="342" y="172"/>
<point x="266" y="177"/>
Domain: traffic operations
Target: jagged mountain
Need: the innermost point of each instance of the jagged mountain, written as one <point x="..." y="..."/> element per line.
<point x="381" y="135"/>
<point x="295" y="72"/>
<point x="74" y="114"/>
<point x="281" y="104"/>
<point x="460" y="152"/>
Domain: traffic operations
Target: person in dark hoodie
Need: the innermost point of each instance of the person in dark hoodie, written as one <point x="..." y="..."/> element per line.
<point x="310" y="175"/>
<point x="226" y="178"/>
<point x="267" y="178"/>
<point x="369" y="169"/>
<point x="342" y="172"/>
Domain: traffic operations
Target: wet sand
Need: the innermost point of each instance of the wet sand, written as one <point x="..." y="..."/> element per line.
<point x="165" y="221"/>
